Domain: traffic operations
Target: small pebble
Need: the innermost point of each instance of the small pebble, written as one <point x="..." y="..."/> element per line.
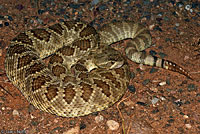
<point x="99" y="118"/>
<point x="177" y="24"/>
<point x="32" y="117"/>
<point x="185" y="117"/>
<point x="186" y="57"/>
<point x="181" y="33"/>
<point x="142" y="67"/>
<point x="74" y="130"/>
<point x="188" y="126"/>
<point x="181" y="113"/>
<point x="15" y="112"/>
<point x="154" y="100"/>
<point x="55" y="120"/>
<point x="8" y="108"/>
<point x="163" y="83"/>
<point x="82" y="126"/>
<point x="188" y="7"/>
<point x="6" y="24"/>
<point x="154" y="89"/>
<point x="131" y="88"/>
<point x="178" y="102"/>
<point x="162" y="98"/>
<point x="141" y="103"/>
<point x="151" y="27"/>
<point x="168" y="82"/>
<point x="113" y="125"/>
<point x="10" y="18"/>
<point x="145" y="82"/>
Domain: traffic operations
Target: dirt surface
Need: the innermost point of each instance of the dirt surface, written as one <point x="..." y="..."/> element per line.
<point x="157" y="101"/>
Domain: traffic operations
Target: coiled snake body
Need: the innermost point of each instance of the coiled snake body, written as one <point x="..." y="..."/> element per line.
<point x="84" y="74"/>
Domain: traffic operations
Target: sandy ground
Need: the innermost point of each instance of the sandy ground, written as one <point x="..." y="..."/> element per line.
<point x="158" y="101"/>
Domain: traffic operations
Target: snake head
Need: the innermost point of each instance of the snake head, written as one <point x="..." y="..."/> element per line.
<point x="108" y="58"/>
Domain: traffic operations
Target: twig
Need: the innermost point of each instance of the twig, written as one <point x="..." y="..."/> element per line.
<point x="123" y="127"/>
<point x="7" y="91"/>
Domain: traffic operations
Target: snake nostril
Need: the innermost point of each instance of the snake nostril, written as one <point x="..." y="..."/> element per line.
<point x="75" y="85"/>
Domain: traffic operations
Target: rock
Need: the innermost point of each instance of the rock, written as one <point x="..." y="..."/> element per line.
<point x="188" y="126"/>
<point x="163" y="83"/>
<point x="113" y="125"/>
<point x="185" y="117"/>
<point x="141" y="126"/>
<point x="15" y="113"/>
<point x="74" y="130"/>
<point x="131" y="88"/>
<point x="154" y="100"/>
<point x="99" y="118"/>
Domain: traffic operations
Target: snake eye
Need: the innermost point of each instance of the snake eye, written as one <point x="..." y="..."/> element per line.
<point x="112" y="62"/>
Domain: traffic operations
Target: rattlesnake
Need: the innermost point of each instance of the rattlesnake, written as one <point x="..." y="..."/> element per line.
<point x="85" y="74"/>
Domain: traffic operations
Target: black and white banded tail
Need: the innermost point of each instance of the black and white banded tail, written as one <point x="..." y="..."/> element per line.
<point x="140" y="40"/>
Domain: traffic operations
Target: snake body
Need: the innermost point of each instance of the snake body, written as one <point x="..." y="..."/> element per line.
<point x="84" y="74"/>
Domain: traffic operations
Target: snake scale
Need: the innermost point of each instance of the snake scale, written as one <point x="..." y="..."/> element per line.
<point x="85" y="74"/>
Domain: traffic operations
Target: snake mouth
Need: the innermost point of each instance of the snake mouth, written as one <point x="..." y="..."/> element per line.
<point x="117" y="65"/>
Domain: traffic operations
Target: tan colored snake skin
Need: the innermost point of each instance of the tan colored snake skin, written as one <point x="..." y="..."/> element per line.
<point x="84" y="74"/>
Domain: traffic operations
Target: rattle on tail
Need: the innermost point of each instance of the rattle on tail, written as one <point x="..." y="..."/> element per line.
<point x="85" y="74"/>
<point x="140" y="40"/>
